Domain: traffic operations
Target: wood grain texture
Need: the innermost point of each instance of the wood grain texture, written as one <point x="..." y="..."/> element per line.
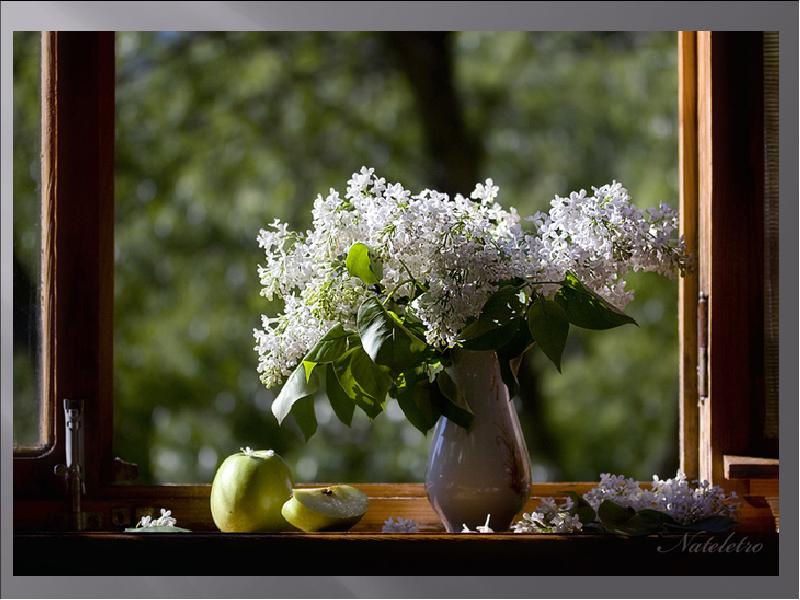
<point x="78" y="203"/>
<point x="750" y="467"/>
<point x="772" y="242"/>
<point x="760" y="494"/>
<point x="704" y="222"/>
<point x="33" y="467"/>
<point x="730" y="140"/>
<point x="49" y="131"/>
<point x="687" y="290"/>
<point x="736" y="282"/>
<point x="121" y="506"/>
<point x="190" y="505"/>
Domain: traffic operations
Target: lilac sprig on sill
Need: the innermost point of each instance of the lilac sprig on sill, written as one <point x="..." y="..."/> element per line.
<point x="400" y="525"/>
<point x="618" y="505"/>
<point x="677" y="497"/>
<point x="165" y="520"/>
<point x="549" y="517"/>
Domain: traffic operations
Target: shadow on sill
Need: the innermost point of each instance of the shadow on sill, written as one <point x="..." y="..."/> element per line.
<point x="383" y="554"/>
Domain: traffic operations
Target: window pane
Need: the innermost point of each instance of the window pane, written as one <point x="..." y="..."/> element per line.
<point x="27" y="240"/>
<point x="220" y="133"/>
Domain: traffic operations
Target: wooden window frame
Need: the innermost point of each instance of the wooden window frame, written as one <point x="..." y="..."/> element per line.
<point x="77" y="257"/>
<point x="722" y="304"/>
<point x="78" y="82"/>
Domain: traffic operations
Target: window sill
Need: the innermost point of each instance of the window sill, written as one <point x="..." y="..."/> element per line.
<point x="38" y="550"/>
<point x="387" y="554"/>
<point x="122" y="506"/>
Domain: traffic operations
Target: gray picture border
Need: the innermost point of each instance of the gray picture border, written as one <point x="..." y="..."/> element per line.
<point x="487" y="16"/>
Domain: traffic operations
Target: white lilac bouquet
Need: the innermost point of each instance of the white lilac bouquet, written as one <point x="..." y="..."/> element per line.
<point x="387" y="283"/>
<point x="621" y="506"/>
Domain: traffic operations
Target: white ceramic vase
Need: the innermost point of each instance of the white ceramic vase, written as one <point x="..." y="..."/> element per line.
<point x="486" y="469"/>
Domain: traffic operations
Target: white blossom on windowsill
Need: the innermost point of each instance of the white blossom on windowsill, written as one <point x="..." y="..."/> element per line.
<point x="400" y="525"/>
<point x="446" y="256"/>
<point x="676" y="497"/>
<point x="485" y="527"/>
<point x="549" y="517"/>
<point x="165" y="520"/>
<point x="480" y="528"/>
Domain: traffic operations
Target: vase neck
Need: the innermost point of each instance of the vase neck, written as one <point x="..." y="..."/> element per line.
<point x="483" y="360"/>
<point x="478" y="379"/>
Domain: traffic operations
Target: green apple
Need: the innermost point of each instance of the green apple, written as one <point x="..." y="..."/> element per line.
<point x="249" y="490"/>
<point x="334" y="508"/>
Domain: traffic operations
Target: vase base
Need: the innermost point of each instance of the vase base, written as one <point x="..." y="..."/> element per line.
<point x="459" y="510"/>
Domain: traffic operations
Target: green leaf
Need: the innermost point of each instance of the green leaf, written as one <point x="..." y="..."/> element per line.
<point x="654" y="516"/>
<point x="454" y="406"/>
<point x="643" y="522"/>
<point x="498" y="321"/>
<point x="549" y="327"/>
<point x="581" y="508"/>
<point x="586" y="309"/>
<point x="305" y="416"/>
<point x="340" y="402"/>
<point x="612" y="514"/>
<point x="331" y="346"/>
<point x="712" y="524"/>
<point x="297" y="397"/>
<point x="364" y="382"/>
<point x="593" y="527"/>
<point x="413" y="324"/>
<point x="419" y="400"/>
<point x="715" y="524"/>
<point x="510" y="357"/>
<point x="385" y="339"/>
<point x="361" y="263"/>
<point x="308" y="367"/>
<point x="298" y="386"/>
<point x="626" y="521"/>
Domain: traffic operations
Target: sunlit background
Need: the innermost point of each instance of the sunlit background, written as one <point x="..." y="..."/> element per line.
<point x="217" y="134"/>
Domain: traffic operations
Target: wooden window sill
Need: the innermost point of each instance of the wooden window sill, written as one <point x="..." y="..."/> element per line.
<point x="390" y="554"/>
<point x="38" y="550"/>
<point x="122" y="506"/>
<point x="750" y="467"/>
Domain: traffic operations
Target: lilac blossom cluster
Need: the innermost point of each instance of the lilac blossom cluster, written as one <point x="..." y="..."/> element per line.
<point x="684" y="503"/>
<point x="400" y="525"/>
<point x="676" y="497"/>
<point x="602" y="237"/>
<point x="549" y="517"/>
<point x="444" y="257"/>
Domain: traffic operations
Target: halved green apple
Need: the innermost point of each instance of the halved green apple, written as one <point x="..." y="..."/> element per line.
<point x="334" y="508"/>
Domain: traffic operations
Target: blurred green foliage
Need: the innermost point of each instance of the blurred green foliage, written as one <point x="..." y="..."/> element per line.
<point x="220" y="133"/>
<point x="26" y="237"/>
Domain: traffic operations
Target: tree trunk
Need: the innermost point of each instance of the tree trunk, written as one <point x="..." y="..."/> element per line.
<point x="426" y="59"/>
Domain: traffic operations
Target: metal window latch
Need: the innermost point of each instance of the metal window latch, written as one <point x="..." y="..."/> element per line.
<point x="702" y="348"/>
<point x="72" y="471"/>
